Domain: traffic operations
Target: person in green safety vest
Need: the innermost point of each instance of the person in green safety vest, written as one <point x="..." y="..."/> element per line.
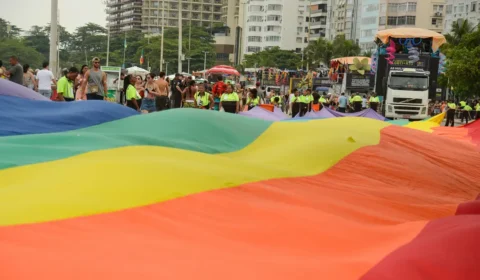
<point x="462" y="104"/>
<point x="451" y="107"/>
<point x="202" y="99"/>
<point x="374" y="101"/>
<point x="304" y="101"/>
<point x="466" y="113"/>
<point x="253" y="99"/>
<point x="324" y="100"/>
<point x="309" y="98"/>
<point x="229" y="101"/>
<point x="477" y="109"/>
<point x="294" y="105"/>
<point x="357" y="102"/>
<point x="276" y="100"/>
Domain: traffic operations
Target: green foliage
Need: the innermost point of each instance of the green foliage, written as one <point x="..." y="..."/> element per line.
<point x="463" y="68"/>
<point x="8" y="30"/>
<point x="17" y="47"/>
<point x="322" y="51"/>
<point x="274" y="57"/>
<point x="90" y="41"/>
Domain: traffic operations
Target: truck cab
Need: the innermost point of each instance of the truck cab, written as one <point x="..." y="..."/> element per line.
<point x="407" y="94"/>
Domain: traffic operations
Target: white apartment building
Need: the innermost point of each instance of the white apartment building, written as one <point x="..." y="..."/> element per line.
<point x="367" y="24"/>
<point x="344" y="16"/>
<point x="427" y="14"/>
<point x="457" y="10"/>
<point x="204" y="13"/>
<point x="319" y="19"/>
<point x="275" y="23"/>
<point x="124" y="15"/>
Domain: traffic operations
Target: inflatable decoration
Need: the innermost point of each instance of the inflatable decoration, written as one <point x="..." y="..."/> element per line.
<point x="373" y="67"/>
<point x="413" y="53"/>
<point x="391" y="52"/>
<point x="360" y="66"/>
<point x="441" y="63"/>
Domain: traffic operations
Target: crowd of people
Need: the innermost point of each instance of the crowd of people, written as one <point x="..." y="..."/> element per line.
<point x="156" y="93"/>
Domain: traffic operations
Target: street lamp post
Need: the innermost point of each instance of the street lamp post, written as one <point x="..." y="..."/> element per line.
<point x="163" y="30"/>
<point x="54" y="37"/>
<point x="179" y="36"/>
<point x="205" y="64"/>
<point x="188" y="65"/>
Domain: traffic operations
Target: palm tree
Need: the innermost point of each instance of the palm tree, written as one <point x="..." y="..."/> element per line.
<point x="367" y="53"/>
<point x="460" y="28"/>
<point x="319" y="51"/>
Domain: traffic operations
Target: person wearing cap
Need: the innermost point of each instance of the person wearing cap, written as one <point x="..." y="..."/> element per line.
<point x="65" y="85"/>
<point x="95" y="82"/>
<point x="374" y="101"/>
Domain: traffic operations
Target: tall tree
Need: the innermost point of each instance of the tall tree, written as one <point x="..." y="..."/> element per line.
<point x="463" y="68"/>
<point x="322" y="51"/>
<point x="459" y="30"/>
<point x="8" y="30"/>
<point x="9" y="47"/>
<point x="274" y="57"/>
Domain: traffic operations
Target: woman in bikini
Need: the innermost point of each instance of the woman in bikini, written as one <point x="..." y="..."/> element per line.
<point x="188" y="95"/>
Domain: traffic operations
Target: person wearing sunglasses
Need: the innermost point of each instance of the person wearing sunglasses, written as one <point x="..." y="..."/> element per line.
<point x="96" y="80"/>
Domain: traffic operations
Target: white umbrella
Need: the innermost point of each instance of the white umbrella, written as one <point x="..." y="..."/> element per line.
<point x="137" y="71"/>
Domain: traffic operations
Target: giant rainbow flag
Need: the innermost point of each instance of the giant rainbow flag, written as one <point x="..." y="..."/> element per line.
<point x="191" y="194"/>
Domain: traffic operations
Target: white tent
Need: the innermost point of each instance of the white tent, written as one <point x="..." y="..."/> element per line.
<point x="171" y="77"/>
<point x="137" y="71"/>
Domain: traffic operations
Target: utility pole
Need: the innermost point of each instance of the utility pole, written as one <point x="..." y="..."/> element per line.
<point x="163" y="32"/>
<point x="309" y="24"/>
<point x="188" y="68"/>
<point x="179" y="36"/>
<point x="205" y="65"/>
<point x="108" y="45"/>
<point x="54" y="37"/>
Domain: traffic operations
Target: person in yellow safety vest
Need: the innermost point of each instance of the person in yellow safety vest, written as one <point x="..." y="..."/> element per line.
<point x="451" y="113"/>
<point x="309" y="100"/>
<point x="466" y="113"/>
<point x="462" y="104"/>
<point x="253" y="99"/>
<point x="202" y="99"/>
<point x="294" y="105"/>
<point x="357" y="102"/>
<point x="374" y="101"/>
<point x="276" y="100"/>
<point x="477" y="108"/>
<point x="304" y="101"/>
<point x="230" y="101"/>
<point x="323" y="100"/>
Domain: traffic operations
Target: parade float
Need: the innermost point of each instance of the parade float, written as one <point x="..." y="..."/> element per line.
<point x="406" y="66"/>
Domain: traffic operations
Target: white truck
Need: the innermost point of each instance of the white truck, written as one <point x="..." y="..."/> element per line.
<point x="407" y="94"/>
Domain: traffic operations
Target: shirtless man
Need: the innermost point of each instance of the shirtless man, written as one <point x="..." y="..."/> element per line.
<point x="163" y="86"/>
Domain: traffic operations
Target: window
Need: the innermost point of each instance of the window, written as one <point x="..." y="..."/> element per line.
<point x="437" y="21"/>
<point x="412" y="6"/>
<point x="437" y="8"/>
<point x="272" y="38"/>
<point x="222" y="56"/>
<point x="382" y="21"/>
<point x="255" y="8"/>
<point x="392" y="21"/>
<point x="383" y="8"/>
<point x="368" y="33"/>
<point x="255" y="28"/>
<point x="370" y="8"/>
<point x="253" y="49"/>
<point x="460" y="8"/>
<point x="402" y="7"/>
<point x="449" y="9"/>
<point x="255" y="18"/>
<point x="392" y="7"/>
<point x="410" y="20"/>
<point x="473" y="8"/>
<point x="274" y="7"/>
<point x="254" y="38"/>
<point x="274" y="18"/>
<point x="369" y="20"/>
<point x="401" y="21"/>
<point x="299" y="40"/>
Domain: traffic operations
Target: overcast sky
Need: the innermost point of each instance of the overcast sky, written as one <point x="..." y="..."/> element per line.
<point x="73" y="13"/>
